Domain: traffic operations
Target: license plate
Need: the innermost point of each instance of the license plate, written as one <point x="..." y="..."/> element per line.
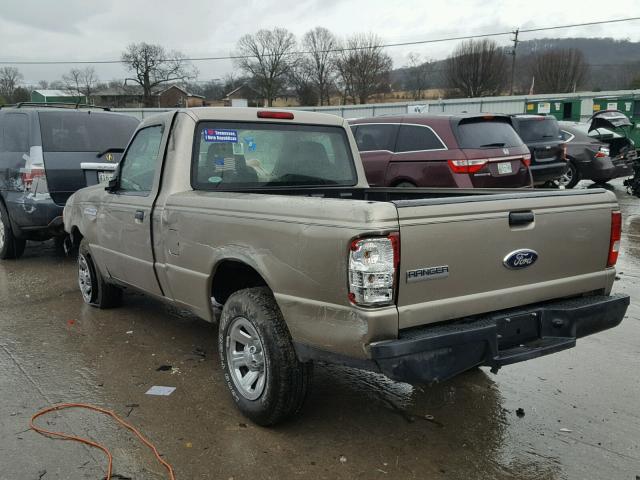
<point x="104" y="177"/>
<point x="504" y="167"/>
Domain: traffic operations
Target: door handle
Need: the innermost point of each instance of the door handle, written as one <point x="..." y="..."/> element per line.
<point x="520" y="218"/>
<point x="139" y="215"/>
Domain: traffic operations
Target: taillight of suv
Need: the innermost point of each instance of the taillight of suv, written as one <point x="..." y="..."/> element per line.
<point x="34" y="180"/>
<point x="467" y="166"/>
<point x="373" y="269"/>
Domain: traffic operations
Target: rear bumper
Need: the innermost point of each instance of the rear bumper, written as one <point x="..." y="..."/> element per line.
<point x="34" y="217"/>
<point x="437" y="353"/>
<point x="546" y="172"/>
<point x="606" y="169"/>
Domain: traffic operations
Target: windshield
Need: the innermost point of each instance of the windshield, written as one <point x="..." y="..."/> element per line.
<point x="267" y="155"/>
<point x="538" y="129"/>
<point x="481" y="133"/>
<point x="83" y="131"/>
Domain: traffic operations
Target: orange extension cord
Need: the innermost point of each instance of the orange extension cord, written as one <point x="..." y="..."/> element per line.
<point x="86" y="441"/>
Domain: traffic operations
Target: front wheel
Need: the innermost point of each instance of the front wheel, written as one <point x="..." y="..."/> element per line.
<point x="570" y="178"/>
<point x="266" y="380"/>
<point x="10" y="246"/>
<point x="94" y="289"/>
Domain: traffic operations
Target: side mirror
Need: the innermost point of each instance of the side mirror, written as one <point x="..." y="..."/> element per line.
<point x="113" y="184"/>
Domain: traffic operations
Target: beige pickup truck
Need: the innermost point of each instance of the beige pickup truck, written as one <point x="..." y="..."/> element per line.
<point x="263" y="220"/>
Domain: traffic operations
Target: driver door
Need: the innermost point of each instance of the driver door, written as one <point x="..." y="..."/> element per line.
<point x="124" y="223"/>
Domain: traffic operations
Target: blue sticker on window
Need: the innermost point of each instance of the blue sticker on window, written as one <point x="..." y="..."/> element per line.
<point x="251" y="143"/>
<point x="221" y="136"/>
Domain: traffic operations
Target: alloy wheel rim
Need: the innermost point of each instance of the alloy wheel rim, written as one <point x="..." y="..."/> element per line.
<point x="245" y="357"/>
<point x="84" y="278"/>
<point x="2" y="234"/>
<point x="566" y="178"/>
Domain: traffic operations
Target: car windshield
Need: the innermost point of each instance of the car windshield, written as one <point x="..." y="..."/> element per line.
<point x="538" y="129"/>
<point x="267" y="155"/>
<point x="85" y="131"/>
<point x="481" y="133"/>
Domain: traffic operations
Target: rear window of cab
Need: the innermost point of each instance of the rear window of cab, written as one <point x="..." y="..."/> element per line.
<point x="230" y="155"/>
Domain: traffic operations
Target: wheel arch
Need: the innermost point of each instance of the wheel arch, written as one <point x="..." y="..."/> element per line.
<point x="232" y="274"/>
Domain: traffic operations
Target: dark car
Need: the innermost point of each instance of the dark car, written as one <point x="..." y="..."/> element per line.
<point x="542" y="135"/>
<point x="599" y="154"/>
<point x="43" y="150"/>
<point x="429" y="150"/>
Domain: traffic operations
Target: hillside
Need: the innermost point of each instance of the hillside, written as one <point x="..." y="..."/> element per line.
<point x="613" y="63"/>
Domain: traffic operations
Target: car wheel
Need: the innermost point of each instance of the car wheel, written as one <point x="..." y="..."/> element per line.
<point x="570" y="178"/>
<point x="10" y="246"/>
<point x="405" y="185"/>
<point x="94" y="289"/>
<point x="266" y="380"/>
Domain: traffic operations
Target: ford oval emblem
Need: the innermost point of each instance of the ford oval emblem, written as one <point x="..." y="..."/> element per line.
<point x="522" y="258"/>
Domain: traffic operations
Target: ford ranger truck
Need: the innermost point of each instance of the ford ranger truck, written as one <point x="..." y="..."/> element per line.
<point x="262" y="220"/>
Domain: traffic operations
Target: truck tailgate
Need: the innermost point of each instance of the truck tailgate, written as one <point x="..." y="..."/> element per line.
<point x="453" y="251"/>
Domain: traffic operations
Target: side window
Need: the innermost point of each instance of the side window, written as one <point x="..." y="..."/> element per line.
<point x="412" y="138"/>
<point x="139" y="164"/>
<point x="15" y="133"/>
<point x="377" y="136"/>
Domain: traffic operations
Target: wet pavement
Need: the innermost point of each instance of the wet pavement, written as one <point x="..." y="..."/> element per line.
<point x="581" y="407"/>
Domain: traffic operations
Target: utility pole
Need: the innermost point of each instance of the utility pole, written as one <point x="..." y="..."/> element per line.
<point x="513" y="59"/>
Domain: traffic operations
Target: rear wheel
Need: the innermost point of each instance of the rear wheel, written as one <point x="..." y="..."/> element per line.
<point x="94" y="289"/>
<point x="10" y="246"/>
<point x="571" y="177"/>
<point x="267" y="381"/>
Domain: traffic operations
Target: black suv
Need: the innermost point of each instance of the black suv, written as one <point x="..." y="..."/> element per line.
<point x="43" y="150"/>
<point x="542" y="135"/>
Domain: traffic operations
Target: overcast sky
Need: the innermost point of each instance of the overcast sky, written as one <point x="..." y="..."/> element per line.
<point x="92" y="30"/>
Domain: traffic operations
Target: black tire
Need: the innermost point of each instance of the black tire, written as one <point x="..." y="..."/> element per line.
<point x="100" y="293"/>
<point x="405" y="185"/>
<point x="286" y="379"/>
<point x="572" y="176"/>
<point x="10" y="246"/>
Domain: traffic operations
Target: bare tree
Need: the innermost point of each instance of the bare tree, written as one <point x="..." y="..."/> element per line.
<point x="558" y="70"/>
<point x="319" y="61"/>
<point x="153" y="66"/>
<point x="10" y="78"/>
<point x="43" y="84"/>
<point x="417" y="75"/>
<point x="476" y="68"/>
<point x="81" y="83"/>
<point x="267" y="57"/>
<point x="363" y="67"/>
<point x="303" y="81"/>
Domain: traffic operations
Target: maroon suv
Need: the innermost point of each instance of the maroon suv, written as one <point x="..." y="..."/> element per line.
<point x="430" y="150"/>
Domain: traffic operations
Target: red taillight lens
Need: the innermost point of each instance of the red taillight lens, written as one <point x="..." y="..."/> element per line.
<point x="526" y="160"/>
<point x="31" y="176"/>
<point x="373" y="267"/>
<point x="467" y="166"/>
<point x="614" y="241"/>
<point x="278" y="115"/>
<point x="564" y="151"/>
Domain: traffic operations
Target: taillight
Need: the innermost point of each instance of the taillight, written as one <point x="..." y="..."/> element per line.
<point x="467" y="166"/>
<point x="603" y="152"/>
<point x="526" y="159"/>
<point x="614" y="240"/>
<point x="373" y="266"/>
<point x="34" y="180"/>
<point x="564" y="151"/>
